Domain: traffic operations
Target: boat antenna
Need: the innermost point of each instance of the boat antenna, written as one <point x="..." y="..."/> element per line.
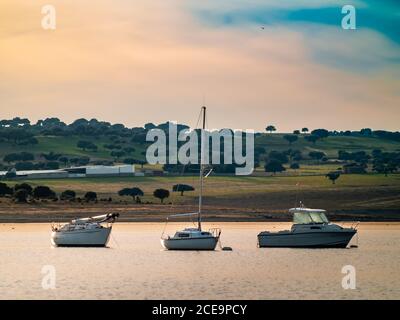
<point x="297" y="195"/>
<point x="203" y="109"/>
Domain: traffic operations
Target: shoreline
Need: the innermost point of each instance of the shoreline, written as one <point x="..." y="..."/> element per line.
<point x="347" y="219"/>
<point x="48" y="213"/>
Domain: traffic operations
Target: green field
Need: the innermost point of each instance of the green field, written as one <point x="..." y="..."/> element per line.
<point x="330" y="145"/>
<point x="68" y="146"/>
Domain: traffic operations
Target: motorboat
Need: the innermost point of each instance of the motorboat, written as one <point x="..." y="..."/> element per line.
<point x="85" y="232"/>
<point x="194" y="238"/>
<point x="311" y="229"/>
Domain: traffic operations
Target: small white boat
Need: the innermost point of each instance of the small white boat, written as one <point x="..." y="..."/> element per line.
<point x="194" y="238"/>
<point x="311" y="229"/>
<point x="85" y="232"/>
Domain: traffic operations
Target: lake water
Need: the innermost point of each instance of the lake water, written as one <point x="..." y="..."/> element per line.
<point x="135" y="267"/>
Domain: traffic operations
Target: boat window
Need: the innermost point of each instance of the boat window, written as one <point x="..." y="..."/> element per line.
<point x="302" y="218"/>
<point x="309" y="217"/>
<point x="315" y="216"/>
<point x="319" y="217"/>
<point x="205" y="233"/>
<point x="183" y="235"/>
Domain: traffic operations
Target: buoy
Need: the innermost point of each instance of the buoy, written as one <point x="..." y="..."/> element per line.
<point x="227" y="249"/>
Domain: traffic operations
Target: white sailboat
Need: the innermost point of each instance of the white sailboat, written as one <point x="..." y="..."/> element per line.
<point x="85" y="232"/>
<point x="194" y="238"/>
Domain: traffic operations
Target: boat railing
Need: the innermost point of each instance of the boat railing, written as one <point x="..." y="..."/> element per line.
<point x="216" y="232"/>
<point x="355" y="224"/>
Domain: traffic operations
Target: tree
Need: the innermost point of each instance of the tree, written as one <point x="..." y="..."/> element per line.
<point x="161" y="194"/>
<point x="64" y="160"/>
<point x="333" y="176"/>
<point x="5" y="190"/>
<point x="320" y="133"/>
<point x="382" y="167"/>
<point x="10" y="157"/>
<point x="128" y="149"/>
<point x="270" y="128"/>
<point x="296" y="131"/>
<point x="316" y="155"/>
<point x="22" y="156"/>
<point x="21" y="196"/>
<point x="290" y="138"/>
<point x="295" y="166"/>
<point x="117" y="154"/>
<point x="134" y="192"/>
<point x="51" y="156"/>
<point x="182" y="188"/>
<point x="311" y="138"/>
<point x="52" y="165"/>
<point x="274" y="166"/>
<point x="68" y="195"/>
<point x="43" y="192"/>
<point x="20" y="166"/>
<point x="23" y="186"/>
<point x="149" y="126"/>
<point x="366" y="132"/>
<point x="304" y="130"/>
<point x="90" y="196"/>
<point x="86" y="145"/>
<point x="282" y="157"/>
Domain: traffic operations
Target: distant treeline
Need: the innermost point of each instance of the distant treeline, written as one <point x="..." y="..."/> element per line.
<point x="22" y="132"/>
<point x="24" y="193"/>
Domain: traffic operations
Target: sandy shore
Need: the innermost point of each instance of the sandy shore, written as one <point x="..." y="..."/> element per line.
<point x="158" y="213"/>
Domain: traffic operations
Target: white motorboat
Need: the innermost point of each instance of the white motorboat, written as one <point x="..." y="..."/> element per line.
<point x="85" y="232"/>
<point x="194" y="238"/>
<point x="311" y="229"/>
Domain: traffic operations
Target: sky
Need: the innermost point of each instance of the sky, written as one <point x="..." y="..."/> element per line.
<point x="253" y="63"/>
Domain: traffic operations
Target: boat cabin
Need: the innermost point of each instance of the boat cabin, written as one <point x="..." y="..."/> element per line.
<point x="191" y="233"/>
<point x="309" y="216"/>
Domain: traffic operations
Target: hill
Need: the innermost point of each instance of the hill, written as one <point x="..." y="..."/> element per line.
<point x="67" y="146"/>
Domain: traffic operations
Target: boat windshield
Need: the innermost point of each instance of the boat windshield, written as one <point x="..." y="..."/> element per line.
<point x="309" y="217"/>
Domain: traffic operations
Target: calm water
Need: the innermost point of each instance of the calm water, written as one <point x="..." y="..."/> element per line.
<point x="135" y="266"/>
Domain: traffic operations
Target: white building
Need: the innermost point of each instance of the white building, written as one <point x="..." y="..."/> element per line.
<point x="77" y="172"/>
<point x="90" y="171"/>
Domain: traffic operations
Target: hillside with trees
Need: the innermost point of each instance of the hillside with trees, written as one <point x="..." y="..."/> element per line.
<point x="53" y="144"/>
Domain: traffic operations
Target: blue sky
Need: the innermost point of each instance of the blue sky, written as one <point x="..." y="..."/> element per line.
<point x="381" y="18"/>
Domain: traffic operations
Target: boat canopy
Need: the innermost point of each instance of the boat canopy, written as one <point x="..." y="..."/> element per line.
<point x="306" y="216"/>
<point x="98" y="219"/>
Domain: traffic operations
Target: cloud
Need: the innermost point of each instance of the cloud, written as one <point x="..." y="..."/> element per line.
<point x="135" y="62"/>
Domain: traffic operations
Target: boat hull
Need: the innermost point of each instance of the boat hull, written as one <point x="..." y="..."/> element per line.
<point x="206" y="243"/>
<point x="305" y="240"/>
<point x="81" y="238"/>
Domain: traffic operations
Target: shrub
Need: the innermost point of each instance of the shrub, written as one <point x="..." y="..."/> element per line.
<point x="182" y="188"/>
<point x="68" y="195"/>
<point x="161" y="194"/>
<point x="90" y="196"/>
<point x="43" y="192"/>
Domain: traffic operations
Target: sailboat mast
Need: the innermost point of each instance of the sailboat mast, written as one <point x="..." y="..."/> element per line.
<point x="202" y="165"/>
